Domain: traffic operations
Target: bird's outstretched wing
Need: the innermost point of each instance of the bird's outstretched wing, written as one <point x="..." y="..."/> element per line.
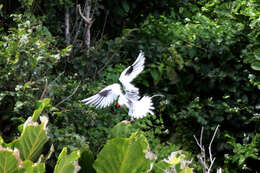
<point x="105" y="97"/>
<point x="128" y="75"/>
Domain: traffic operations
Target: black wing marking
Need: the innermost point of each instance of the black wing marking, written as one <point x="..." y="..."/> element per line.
<point x="104" y="93"/>
<point x="130" y="70"/>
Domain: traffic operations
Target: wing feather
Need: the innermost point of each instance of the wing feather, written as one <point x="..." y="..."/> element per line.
<point x="105" y="97"/>
<point x="129" y="74"/>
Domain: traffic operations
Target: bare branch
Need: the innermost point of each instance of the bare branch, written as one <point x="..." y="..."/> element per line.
<point x="67" y="98"/>
<point x="210" y="155"/>
<point x="202" y="156"/>
<point x="88" y="23"/>
<point x="86" y="19"/>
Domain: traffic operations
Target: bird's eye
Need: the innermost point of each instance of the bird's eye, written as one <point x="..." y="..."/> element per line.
<point x="117" y="105"/>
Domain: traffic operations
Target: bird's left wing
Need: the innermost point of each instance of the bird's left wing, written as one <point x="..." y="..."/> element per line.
<point x="105" y="97"/>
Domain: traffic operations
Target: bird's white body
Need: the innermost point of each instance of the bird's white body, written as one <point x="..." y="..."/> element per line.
<point x="138" y="108"/>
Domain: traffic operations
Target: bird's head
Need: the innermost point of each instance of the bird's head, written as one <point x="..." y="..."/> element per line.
<point x="117" y="105"/>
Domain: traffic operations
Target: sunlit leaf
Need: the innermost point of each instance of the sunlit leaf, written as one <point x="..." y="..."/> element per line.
<point x="67" y="163"/>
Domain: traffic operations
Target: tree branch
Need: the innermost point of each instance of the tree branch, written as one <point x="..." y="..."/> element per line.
<point x="202" y="156"/>
<point x="45" y="89"/>
<point x="67" y="98"/>
<point x="88" y="23"/>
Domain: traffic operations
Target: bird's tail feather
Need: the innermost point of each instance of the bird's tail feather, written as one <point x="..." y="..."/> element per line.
<point x="143" y="107"/>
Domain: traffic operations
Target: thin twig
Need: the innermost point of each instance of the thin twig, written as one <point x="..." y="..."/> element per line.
<point x="45" y="89"/>
<point x="56" y="78"/>
<point x="211" y="164"/>
<point x="210" y="155"/>
<point x="68" y="96"/>
<point x="197" y="142"/>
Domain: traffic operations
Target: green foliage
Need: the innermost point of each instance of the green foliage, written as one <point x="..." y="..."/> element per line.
<point x="28" y="56"/>
<point x="242" y="152"/>
<point x="200" y="65"/>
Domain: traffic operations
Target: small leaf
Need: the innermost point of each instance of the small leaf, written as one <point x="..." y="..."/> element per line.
<point x="40" y="106"/>
<point x="156" y="76"/>
<point x="256" y="65"/>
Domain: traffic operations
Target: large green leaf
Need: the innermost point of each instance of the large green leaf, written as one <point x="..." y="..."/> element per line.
<point x="121" y="155"/>
<point x="67" y="163"/>
<point x="9" y="160"/>
<point x="32" y="139"/>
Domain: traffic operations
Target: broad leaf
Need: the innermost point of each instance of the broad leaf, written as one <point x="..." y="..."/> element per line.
<point x="32" y="139"/>
<point x="67" y="163"/>
<point x="121" y="155"/>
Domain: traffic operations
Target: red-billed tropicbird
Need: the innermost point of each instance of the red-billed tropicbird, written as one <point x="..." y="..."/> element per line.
<point x="138" y="108"/>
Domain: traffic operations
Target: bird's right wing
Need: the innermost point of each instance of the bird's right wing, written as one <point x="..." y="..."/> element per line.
<point x="129" y="74"/>
<point x="105" y="97"/>
<point x="134" y="70"/>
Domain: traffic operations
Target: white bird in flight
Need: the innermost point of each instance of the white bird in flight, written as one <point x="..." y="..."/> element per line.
<point x="138" y="108"/>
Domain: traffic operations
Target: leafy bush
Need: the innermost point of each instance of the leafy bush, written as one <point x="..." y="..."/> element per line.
<point x="28" y="57"/>
<point x="244" y="154"/>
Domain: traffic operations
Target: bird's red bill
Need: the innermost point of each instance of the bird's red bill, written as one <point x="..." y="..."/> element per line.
<point x="117" y="105"/>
